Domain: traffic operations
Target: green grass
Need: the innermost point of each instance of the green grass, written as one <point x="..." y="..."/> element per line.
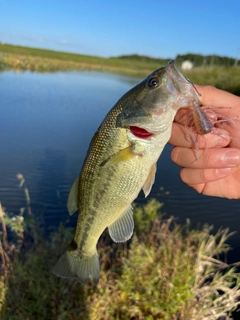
<point x="39" y="60"/>
<point x="166" y="271"/>
<point x="225" y="78"/>
<point x="22" y="58"/>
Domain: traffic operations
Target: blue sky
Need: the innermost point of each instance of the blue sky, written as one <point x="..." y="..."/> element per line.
<point x="111" y="28"/>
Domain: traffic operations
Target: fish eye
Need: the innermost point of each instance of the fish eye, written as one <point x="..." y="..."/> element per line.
<point x="153" y="82"/>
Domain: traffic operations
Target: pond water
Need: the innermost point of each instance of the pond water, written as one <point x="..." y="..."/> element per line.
<point x="47" y="121"/>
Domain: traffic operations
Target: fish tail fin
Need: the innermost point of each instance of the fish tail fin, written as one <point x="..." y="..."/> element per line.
<point x="72" y="265"/>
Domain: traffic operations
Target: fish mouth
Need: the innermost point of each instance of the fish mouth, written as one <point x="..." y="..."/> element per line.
<point x="177" y="83"/>
<point x="141" y="132"/>
<point x="180" y="86"/>
<point x="172" y="70"/>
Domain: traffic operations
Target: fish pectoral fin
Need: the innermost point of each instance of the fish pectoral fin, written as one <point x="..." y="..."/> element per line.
<point x="122" y="155"/>
<point x="122" y="229"/>
<point x="72" y="205"/>
<point x="150" y="180"/>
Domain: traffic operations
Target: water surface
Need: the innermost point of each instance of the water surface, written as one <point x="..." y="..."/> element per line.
<point x="47" y="122"/>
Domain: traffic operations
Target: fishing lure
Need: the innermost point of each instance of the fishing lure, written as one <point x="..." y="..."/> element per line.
<point x="204" y="120"/>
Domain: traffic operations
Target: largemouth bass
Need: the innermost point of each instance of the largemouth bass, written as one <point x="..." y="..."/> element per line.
<point x="121" y="161"/>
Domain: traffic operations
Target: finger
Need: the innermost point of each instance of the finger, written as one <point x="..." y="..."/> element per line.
<point x="183" y="116"/>
<point x="209" y="159"/>
<point x="197" y="178"/>
<point x="183" y="136"/>
<point x="219" y="101"/>
<point x="211" y="96"/>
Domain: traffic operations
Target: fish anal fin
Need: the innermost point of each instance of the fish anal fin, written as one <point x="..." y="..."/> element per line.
<point x="72" y="265"/>
<point x="122" y="155"/>
<point x="72" y="203"/>
<point x="150" y="180"/>
<point x="122" y="229"/>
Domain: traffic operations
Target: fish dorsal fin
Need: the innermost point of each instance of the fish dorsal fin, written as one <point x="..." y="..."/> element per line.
<point x="122" y="155"/>
<point x="150" y="180"/>
<point x="122" y="229"/>
<point x="72" y="203"/>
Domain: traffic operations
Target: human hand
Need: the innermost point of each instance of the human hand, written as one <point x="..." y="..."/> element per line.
<point x="216" y="170"/>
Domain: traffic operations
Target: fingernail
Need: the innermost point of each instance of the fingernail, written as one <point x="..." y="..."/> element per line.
<point x="232" y="158"/>
<point x="223" y="172"/>
<point x="221" y="140"/>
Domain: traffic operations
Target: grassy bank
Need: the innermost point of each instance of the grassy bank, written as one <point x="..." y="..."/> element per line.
<point x="22" y="58"/>
<point x="166" y="271"/>
<point x="38" y="60"/>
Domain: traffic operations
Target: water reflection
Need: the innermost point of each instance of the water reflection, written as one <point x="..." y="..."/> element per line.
<point x="51" y="184"/>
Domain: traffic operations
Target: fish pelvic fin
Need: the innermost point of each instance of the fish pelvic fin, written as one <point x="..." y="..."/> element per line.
<point x="72" y="265"/>
<point x="121" y="230"/>
<point x="72" y="204"/>
<point x="150" y="180"/>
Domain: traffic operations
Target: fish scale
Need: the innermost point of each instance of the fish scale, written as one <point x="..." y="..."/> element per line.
<point x="121" y="160"/>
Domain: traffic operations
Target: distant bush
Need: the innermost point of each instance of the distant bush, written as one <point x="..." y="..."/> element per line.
<point x="200" y="60"/>
<point x="221" y="77"/>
